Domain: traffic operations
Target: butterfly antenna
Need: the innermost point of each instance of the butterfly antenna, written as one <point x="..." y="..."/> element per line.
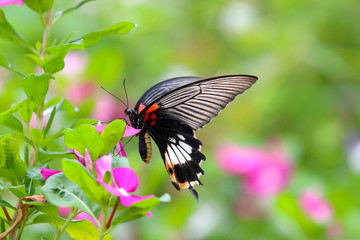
<point x="123" y="146"/>
<point x="127" y="99"/>
<point x="114" y="96"/>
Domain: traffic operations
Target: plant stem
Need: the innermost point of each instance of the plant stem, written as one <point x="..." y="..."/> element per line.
<point x="113" y="213"/>
<point x="21" y="228"/>
<point x="6" y="212"/>
<point x="46" y="32"/>
<point x="103" y="225"/>
<point x="66" y="223"/>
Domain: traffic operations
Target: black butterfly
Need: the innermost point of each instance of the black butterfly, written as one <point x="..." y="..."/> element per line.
<point x="171" y="111"/>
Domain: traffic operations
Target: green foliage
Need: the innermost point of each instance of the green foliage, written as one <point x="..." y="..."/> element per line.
<point x="76" y="173"/>
<point x="39" y="6"/>
<point x="61" y="192"/>
<point x="84" y="137"/>
<point x="12" y="167"/>
<point x="111" y="135"/>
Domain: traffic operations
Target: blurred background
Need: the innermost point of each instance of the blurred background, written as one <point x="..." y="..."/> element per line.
<point x="283" y="159"/>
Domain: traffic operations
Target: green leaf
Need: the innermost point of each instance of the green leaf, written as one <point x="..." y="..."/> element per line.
<point x="37" y="59"/>
<point x="26" y="110"/>
<point x="7" y="114"/>
<point x="77" y="173"/>
<point x="55" y="62"/>
<point x="60" y="191"/>
<point x="82" y="121"/>
<point x="112" y="134"/>
<point x="56" y="54"/>
<point x="84" y="137"/>
<point x="39" y="6"/>
<point x="37" y="136"/>
<point x="35" y="174"/>
<point x="61" y="104"/>
<point x="6" y="204"/>
<point x="49" y="123"/>
<point x="11" y="166"/>
<point x="46" y="156"/>
<point x="8" y="32"/>
<point x="84" y="230"/>
<point x="137" y="210"/>
<point x="13" y="123"/>
<point x="68" y="10"/>
<point x="5" y="64"/>
<point x="92" y="38"/>
<point x="118" y="161"/>
<point x="36" y="86"/>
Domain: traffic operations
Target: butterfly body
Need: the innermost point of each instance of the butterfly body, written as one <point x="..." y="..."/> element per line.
<point x="171" y="111"/>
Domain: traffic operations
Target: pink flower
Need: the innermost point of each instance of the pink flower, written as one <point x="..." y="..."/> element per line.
<point x="123" y="182"/>
<point x="75" y="63"/>
<point x="315" y="206"/>
<point x="78" y="92"/>
<point x="46" y="117"/>
<point x="11" y="2"/>
<point x="107" y="109"/>
<point x="46" y="173"/>
<point x="265" y="171"/>
<point x="65" y="212"/>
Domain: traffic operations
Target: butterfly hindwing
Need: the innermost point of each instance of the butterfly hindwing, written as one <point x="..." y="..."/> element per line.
<point x="180" y="150"/>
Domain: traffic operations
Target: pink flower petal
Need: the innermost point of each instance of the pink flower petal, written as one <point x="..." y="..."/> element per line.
<point x="99" y="127"/>
<point x="85" y="216"/>
<point x="315" y="206"/>
<point x="63" y="211"/>
<point x="88" y="161"/>
<point x="46" y="173"/>
<point x="102" y="165"/>
<point x="79" y="157"/>
<point x="128" y="200"/>
<point x="130" y="131"/>
<point x="125" y="178"/>
<point x="120" y="149"/>
<point x="238" y="160"/>
<point x="11" y="2"/>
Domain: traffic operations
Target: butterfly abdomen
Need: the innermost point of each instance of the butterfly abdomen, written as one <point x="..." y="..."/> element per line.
<point x="145" y="146"/>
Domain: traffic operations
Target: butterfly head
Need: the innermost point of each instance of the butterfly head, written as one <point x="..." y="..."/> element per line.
<point x="135" y="118"/>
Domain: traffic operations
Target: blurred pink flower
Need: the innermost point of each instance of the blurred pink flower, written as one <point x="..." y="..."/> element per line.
<point x="107" y="109"/>
<point x="32" y="123"/>
<point x="46" y="173"/>
<point x="334" y="230"/>
<point x="75" y="63"/>
<point x="65" y="212"/>
<point x="11" y="2"/>
<point x="124" y="181"/>
<point x="265" y="171"/>
<point x="78" y="92"/>
<point x="315" y="206"/>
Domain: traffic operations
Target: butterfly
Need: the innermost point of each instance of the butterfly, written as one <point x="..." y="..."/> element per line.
<point x="171" y="111"/>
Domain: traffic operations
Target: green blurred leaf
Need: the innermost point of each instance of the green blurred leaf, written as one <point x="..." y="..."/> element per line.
<point x="60" y="104"/>
<point x="39" y="6"/>
<point x="6" y="204"/>
<point x="58" y="190"/>
<point x="118" y="161"/>
<point x="112" y="134"/>
<point x="5" y="64"/>
<point x="84" y="230"/>
<point x="26" y="110"/>
<point x="7" y="114"/>
<point x="37" y="136"/>
<point x="77" y="173"/>
<point x="137" y="210"/>
<point x="68" y="10"/>
<point x="84" y="137"/>
<point x="37" y="59"/>
<point x="46" y="156"/>
<point x="36" y="86"/>
<point x="49" y="123"/>
<point x="8" y="32"/>
<point x="56" y="54"/>
<point x="13" y="123"/>
<point x="11" y="166"/>
<point x="92" y="38"/>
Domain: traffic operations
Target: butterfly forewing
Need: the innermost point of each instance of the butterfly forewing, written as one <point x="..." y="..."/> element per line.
<point x="199" y="102"/>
